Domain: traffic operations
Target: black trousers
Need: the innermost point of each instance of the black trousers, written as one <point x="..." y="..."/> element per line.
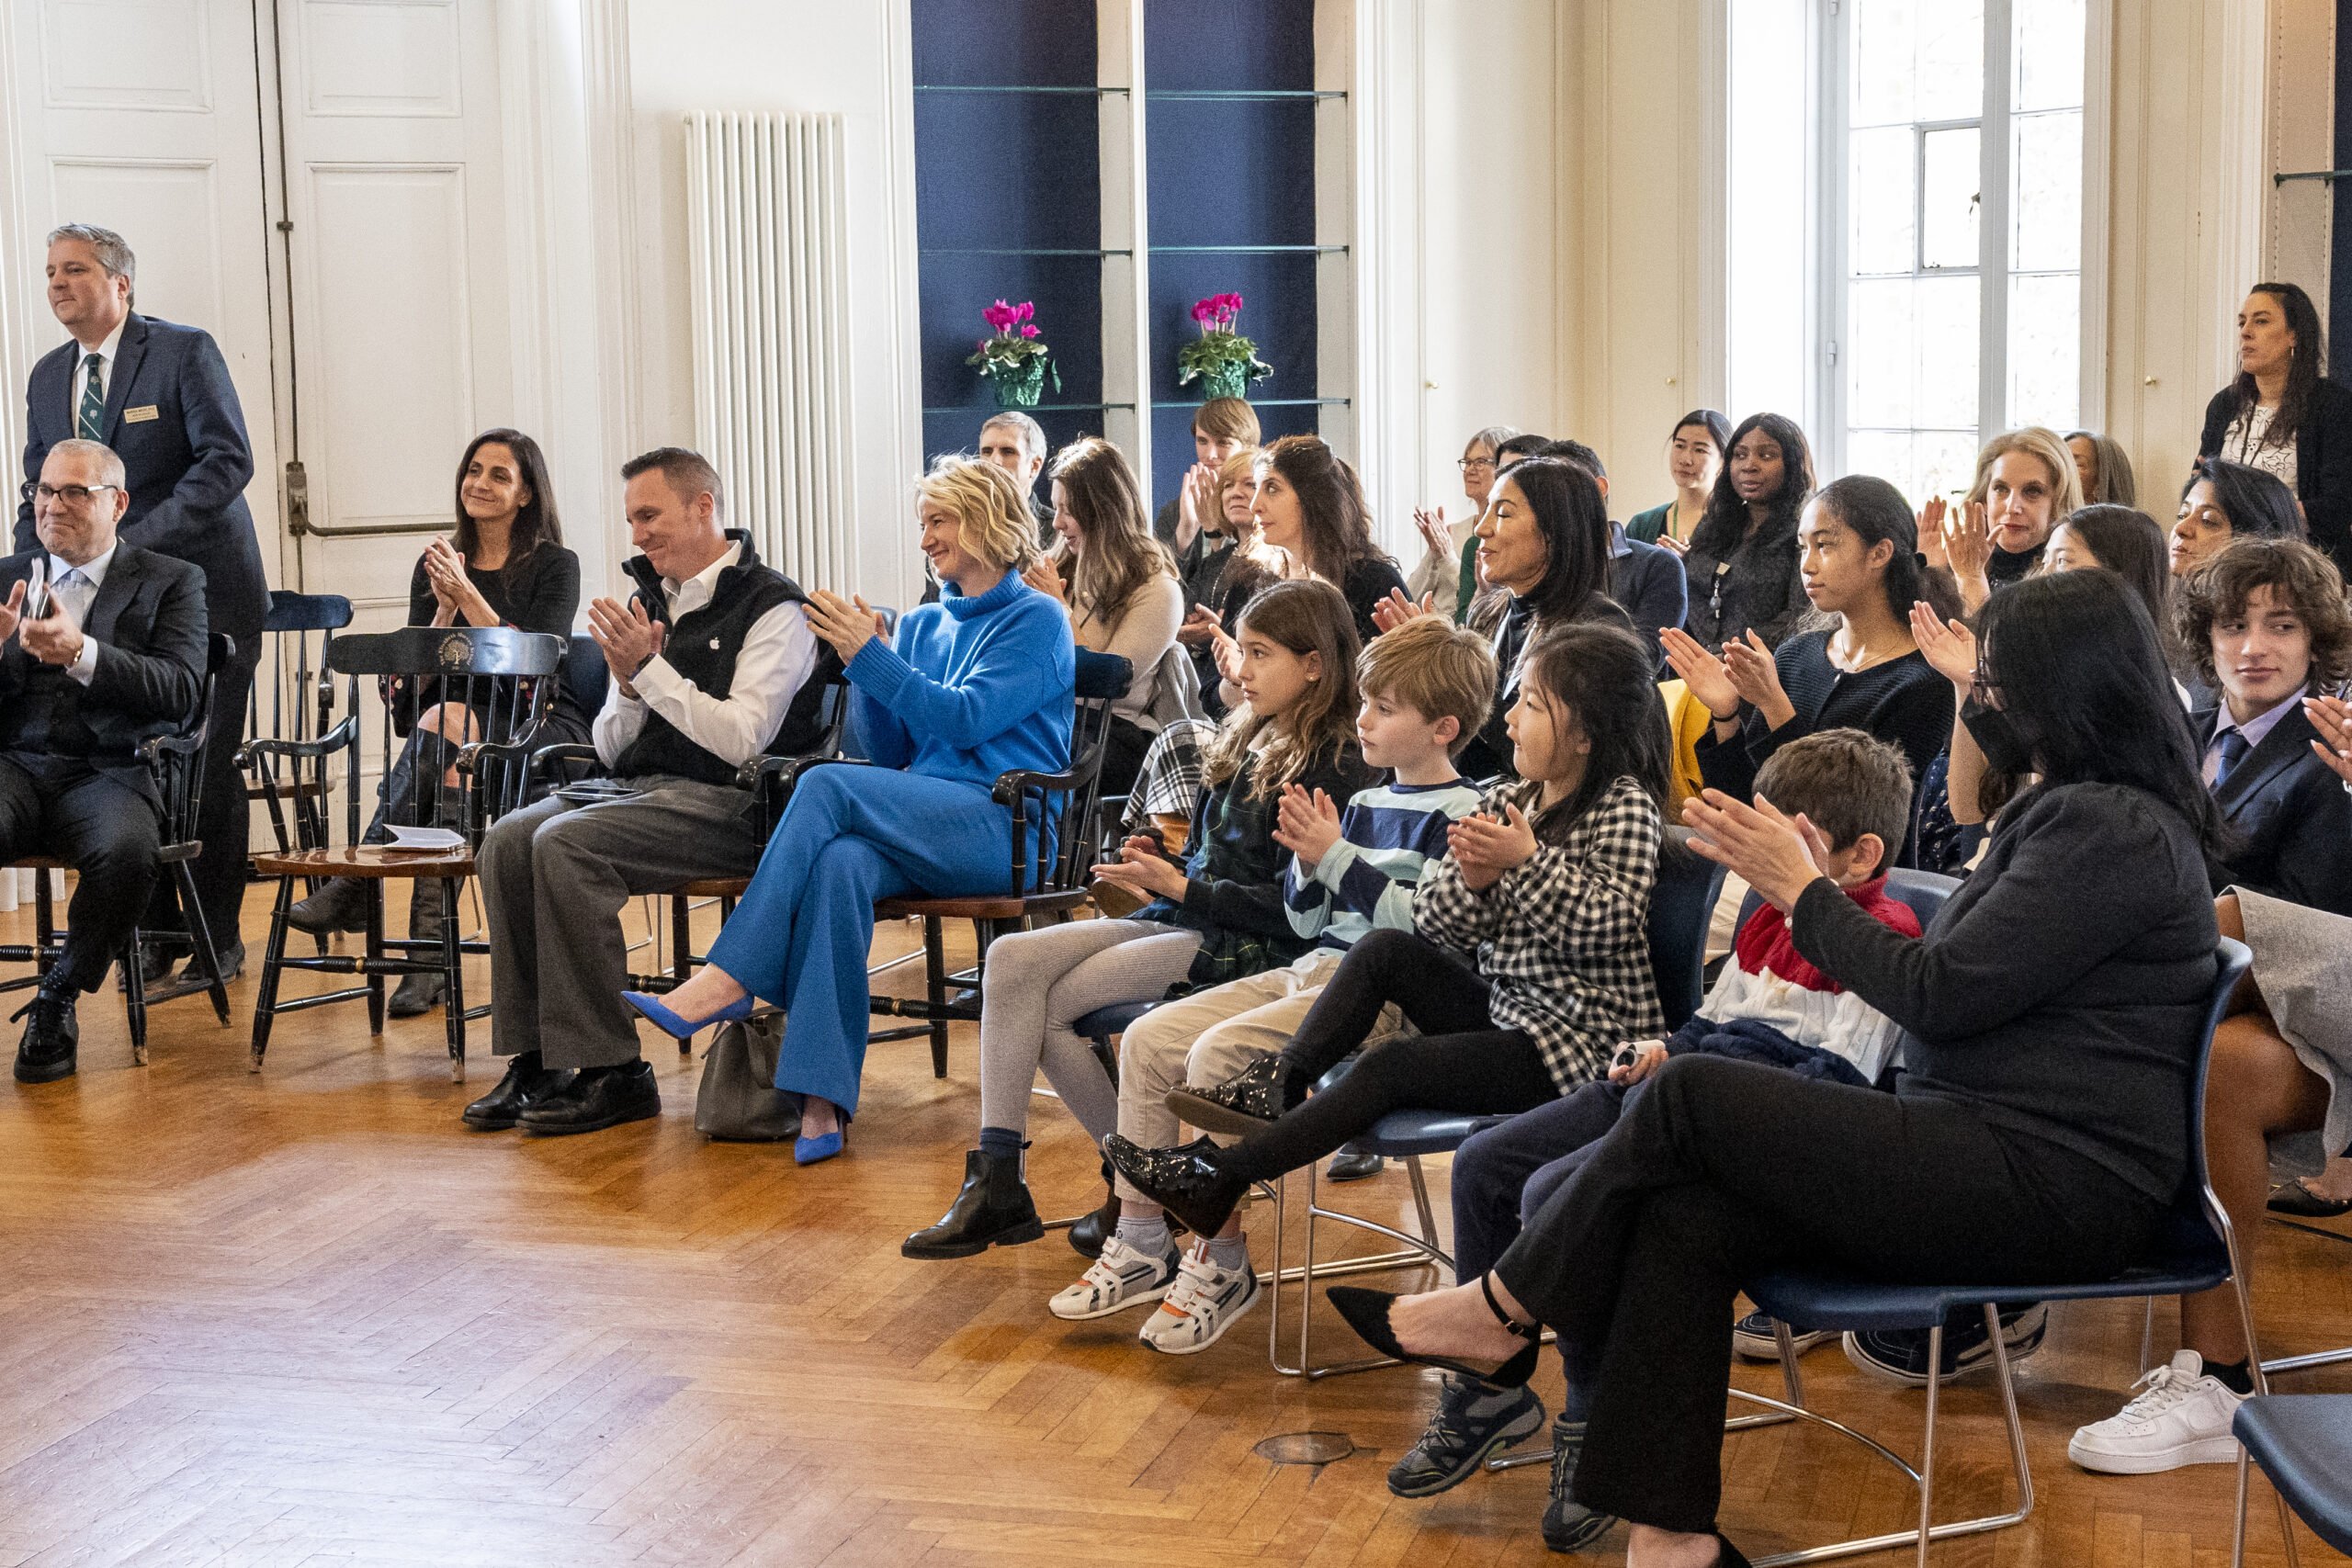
<point x="1722" y="1169"/>
<point x="225" y="824"/>
<point x="100" y="826"/>
<point x="1459" y="1061"/>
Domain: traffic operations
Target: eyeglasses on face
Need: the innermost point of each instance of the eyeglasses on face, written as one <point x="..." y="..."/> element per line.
<point x="1469" y="464"/>
<point x="71" y="495"/>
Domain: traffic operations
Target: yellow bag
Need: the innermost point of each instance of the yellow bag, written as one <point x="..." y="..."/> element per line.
<point x="1687" y="718"/>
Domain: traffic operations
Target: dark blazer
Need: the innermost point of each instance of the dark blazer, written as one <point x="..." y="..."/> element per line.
<point x="148" y="621"/>
<point x="2323" y="461"/>
<point x="187" y="465"/>
<point x="1648" y="581"/>
<point x="2294" y="815"/>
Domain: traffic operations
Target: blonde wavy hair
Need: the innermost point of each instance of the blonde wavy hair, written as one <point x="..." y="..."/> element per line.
<point x="1121" y="554"/>
<point x="1241" y="466"/>
<point x="2066" y="479"/>
<point x="994" y="523"/>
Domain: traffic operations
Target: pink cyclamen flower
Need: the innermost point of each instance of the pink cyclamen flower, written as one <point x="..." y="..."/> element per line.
<point x="1028" y="331"/>
<point x="1024" y="311"/>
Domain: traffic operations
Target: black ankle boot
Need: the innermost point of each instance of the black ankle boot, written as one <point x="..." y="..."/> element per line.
<point x="340" y="906"/>
<point x="993" y="1210"/>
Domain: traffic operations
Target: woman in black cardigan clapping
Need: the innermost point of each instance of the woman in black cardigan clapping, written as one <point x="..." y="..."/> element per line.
<point x="2284" y="416"/>
<point x="2038" y="1135"/>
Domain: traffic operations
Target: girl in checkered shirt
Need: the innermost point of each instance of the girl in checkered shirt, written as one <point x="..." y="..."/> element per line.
<point x="1527" y="961"/>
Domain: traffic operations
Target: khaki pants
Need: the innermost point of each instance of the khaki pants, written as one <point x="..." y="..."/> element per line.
<point x="1210" y="1036"/>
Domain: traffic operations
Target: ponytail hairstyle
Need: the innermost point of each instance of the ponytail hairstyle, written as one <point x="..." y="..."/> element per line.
<point x="1120" y="553"/>
<point x="1335" y="523"/>
<point x="1304" y="616"/>
<point x="1724" y="525"/>
<point x="2304" y="371"/>
<point x="1872" y="510"/>
<point x="1601" y="677"/>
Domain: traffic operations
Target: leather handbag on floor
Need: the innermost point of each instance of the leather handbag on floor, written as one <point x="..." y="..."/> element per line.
<point x="738" y="1102"/>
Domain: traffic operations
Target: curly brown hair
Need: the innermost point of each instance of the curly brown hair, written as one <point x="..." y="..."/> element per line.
<point x="2298" y="577"/>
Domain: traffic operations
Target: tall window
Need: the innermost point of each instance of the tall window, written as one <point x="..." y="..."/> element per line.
<point x="1948" y="136"/>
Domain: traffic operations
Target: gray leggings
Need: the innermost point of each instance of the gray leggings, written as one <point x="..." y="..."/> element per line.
<point x="1038" y="983"/>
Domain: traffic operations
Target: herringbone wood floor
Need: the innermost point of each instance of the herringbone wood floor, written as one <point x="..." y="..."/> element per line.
<point x="307" y="1317"/>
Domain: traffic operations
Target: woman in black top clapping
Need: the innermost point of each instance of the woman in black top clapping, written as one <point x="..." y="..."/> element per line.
<point x="1859" y="543"/>
<point x="1742" y="562"/>
<point x="2039" y="1133"/>
<point x="504" y="564"/>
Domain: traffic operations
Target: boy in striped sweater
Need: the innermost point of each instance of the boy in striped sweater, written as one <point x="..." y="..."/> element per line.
<point x="1426" y="688"/>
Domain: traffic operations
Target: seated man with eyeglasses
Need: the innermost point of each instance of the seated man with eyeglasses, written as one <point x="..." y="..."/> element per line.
<point x="102" y="646"/>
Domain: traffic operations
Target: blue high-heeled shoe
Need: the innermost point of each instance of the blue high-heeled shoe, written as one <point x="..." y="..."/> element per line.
<point x="650" y="1008"/>
<point x="817" y="1151"/>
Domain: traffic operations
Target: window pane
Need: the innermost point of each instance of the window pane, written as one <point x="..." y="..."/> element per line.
<point x="1883" y="46"/>
<point x="2045" y="350"/>
<point x="1887" y="454"/>
<point x="1949" y="171"/>
<point x="1952" y="60"/>
<point x="1947" y="460"/>
<point x="2047" y="225"/>
<point x="1883" y="357"/>
<point x="1881" y="171"/>
<point x="1767" y="323"/>
<point x="2049" y="55"/>
<point x="1947" y="312"/>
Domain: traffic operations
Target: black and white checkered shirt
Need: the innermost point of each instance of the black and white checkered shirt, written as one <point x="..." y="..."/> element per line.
<point x="1562" y="938"/>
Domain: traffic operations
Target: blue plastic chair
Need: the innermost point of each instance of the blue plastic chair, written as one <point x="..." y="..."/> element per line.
<point x="2304" y="1443"/>
<point x="2194" y="1249"/>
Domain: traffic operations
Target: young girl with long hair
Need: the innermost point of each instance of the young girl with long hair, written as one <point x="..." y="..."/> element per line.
<point x="1214" y="916"/>
<point x="1529" y="960"/>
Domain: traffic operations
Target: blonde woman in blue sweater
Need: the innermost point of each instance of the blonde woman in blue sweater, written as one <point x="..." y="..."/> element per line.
<point x="982" y="681"/>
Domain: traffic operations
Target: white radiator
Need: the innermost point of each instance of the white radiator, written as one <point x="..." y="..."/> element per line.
<point x="769" y="237"/>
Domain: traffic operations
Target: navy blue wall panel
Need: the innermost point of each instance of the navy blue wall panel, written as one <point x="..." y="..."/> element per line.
<point x="2339" y="248"/>
<point x="1230" y="172"/>
<point x="999" y="171"/>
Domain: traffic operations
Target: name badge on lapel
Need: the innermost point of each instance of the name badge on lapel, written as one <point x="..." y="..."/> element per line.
<point x="141" y="414"/>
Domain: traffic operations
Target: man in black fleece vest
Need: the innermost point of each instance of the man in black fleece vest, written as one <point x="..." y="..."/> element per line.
<point x="712" y="664"/>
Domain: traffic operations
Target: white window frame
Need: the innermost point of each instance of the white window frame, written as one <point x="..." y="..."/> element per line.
<point x="1832" y="99"/>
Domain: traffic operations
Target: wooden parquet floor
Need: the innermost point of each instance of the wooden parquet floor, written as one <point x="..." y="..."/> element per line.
<point x="308" y="1318"/>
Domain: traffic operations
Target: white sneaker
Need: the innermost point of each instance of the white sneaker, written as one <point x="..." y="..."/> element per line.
<point x="2182" y="1418"/>
<point x="1120" y="1279"/>
<point x="1201" y="1305"/>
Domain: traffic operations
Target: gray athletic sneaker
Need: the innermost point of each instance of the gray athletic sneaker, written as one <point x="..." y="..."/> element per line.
<point x="1568" y="1525"/>
<point x="1472" y="1421"/>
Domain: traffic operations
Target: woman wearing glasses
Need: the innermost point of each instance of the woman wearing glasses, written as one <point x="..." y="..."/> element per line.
<point x="1448" y="574"/>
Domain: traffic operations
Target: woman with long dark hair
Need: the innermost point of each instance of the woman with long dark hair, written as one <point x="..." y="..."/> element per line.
<point x="503" y="564"/>
<point x="1694" y="461"/>
<point x="2039" y="1133"/>
<point x="2284" y="416"/>
<point x="2224" y="501"/>
<point x="1311" y="504"/>
<point x="1859" y="559"/>
<point x="1742" y="562"/>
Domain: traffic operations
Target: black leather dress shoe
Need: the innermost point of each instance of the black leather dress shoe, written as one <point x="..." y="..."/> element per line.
<point x="1353" y="1163"/>
<point x="47" y="1051"/>
<point x="2296" y="1198"/>
<point x="1184" y="1181"/>
<point x="1243" y="1104"/>
<point x="527" y="1083"/>
<point x="596" y="1098"/>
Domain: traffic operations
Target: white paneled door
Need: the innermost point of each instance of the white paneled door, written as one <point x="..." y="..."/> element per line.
<point x="395" y="262"/>
<point x="144" y="117"/>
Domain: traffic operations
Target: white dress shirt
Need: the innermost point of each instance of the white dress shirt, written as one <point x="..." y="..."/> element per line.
<point x="76" y="597"/>
<point x="2256" y="731"/>
<point x="105" y="373"/>
<point x="776" y="656"/>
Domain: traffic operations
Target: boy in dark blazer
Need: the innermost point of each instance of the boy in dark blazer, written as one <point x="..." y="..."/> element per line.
<point x="104" y="646"/>
<point x="2267" y="623"/>
<point x="159" y="394"/>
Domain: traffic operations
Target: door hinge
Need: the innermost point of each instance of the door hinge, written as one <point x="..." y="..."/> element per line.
<point x="286" y="225"/>
<point x="298" y="499"/>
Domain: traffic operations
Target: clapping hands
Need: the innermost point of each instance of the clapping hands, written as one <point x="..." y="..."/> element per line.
<point x="847" y="623"/>
<point x="1950" y="647"/>
<point x="1307" y="824"/>
<point x="1389" y="614"/>
<point x="2332" y="717"/>
<point x="1142" y="870"/>
<point x="1485" y="846"/>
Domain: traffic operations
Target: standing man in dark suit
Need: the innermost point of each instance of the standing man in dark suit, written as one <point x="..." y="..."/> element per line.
<point x="159" y="394"/>
<point x="107" y="651"/>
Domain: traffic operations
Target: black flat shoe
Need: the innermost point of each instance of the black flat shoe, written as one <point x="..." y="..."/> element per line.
<point x="1353" y="1163"/>
<point x="2296" y="1198"/>
<point x="596" y="1098"/>
<point x="1366" y="1311"/>
<point x="1245" y="1103"/>
<point x="1184" y="1181"/>
<point x="527" y="1082"/>
<point x="46" y="1053"/>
